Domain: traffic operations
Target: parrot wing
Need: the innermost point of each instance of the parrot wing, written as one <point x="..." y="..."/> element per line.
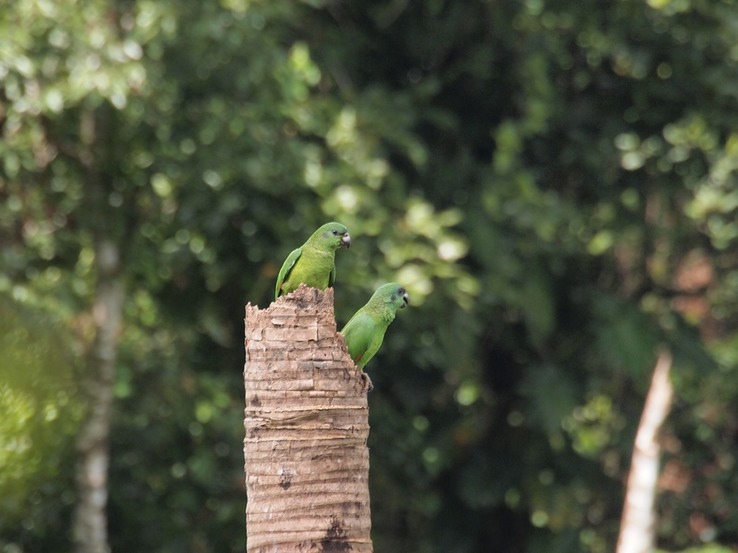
<point x="285" y="270"/>
<point x="359" y="333"/>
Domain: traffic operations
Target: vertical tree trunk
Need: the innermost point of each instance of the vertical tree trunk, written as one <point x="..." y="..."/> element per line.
<point x="638" y="523"/>
<point x="89" y="530"/>
<point x="306" y="422"/>
<point x="90" y="522"/>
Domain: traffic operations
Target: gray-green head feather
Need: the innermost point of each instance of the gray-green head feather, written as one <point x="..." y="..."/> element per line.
<point x="331" y="236"/>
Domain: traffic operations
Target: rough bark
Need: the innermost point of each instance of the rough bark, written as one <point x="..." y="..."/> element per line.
<point x="306" y="423"/>
<point x="638" y="523"/>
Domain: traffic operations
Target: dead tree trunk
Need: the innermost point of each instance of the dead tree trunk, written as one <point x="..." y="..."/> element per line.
<point x="306" y="422"/>
<point x="638" y="523"/>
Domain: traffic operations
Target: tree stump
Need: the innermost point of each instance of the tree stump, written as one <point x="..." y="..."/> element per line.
<point x="307" y="423"/>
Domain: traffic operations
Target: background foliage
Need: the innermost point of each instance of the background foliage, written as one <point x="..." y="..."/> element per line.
<point x="554" y="182"/>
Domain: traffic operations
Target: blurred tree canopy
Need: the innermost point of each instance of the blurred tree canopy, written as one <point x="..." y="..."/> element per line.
<point x="553" y="181"/>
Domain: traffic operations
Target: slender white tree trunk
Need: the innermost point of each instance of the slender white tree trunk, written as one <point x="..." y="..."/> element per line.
<point x="90" y="520"/>
<point x="638" y="523"/>
<point x="306" y="422"/>
<point x="89" y="525"/>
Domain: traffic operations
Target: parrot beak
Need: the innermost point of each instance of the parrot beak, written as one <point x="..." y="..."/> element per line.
<point x="346" y="240"/>
<point x="405" y="300"/>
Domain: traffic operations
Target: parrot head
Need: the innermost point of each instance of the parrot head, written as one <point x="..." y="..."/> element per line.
<point x="393" y="294"/>
<point x="332" y="236"/>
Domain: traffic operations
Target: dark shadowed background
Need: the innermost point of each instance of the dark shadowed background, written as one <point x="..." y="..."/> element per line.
<point x="554" y="181"/>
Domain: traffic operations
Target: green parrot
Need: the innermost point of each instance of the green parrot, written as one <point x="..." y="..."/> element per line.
<point x="313" y="263"/>
<point x="365" y="330"/>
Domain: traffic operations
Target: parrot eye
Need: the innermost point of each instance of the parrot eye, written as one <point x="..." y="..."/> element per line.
<point x="335" y="232"/>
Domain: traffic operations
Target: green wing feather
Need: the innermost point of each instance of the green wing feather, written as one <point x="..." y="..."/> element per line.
<point x="359" y="334"/>
<point x="285" y="270"/>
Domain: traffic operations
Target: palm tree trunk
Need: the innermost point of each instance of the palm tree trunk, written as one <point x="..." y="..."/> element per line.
<point x="306" y="422"/>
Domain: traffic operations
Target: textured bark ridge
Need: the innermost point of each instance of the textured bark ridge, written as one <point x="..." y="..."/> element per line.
<point x="306" y="422"/>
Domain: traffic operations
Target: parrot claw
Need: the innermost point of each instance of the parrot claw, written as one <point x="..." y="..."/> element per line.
<point x="368" y="386"/>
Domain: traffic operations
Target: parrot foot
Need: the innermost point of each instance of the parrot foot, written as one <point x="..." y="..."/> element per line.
<point x="368" y="386"/>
